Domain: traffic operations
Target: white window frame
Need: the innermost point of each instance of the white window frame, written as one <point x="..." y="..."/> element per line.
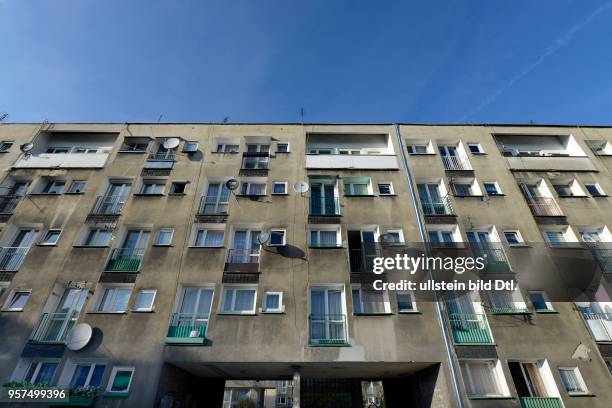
<point x="281" y="230"/>
<point x="385" y="298"/>
<point x="92" y="366"/>
<point x="495" y="184"/>
<point x="283" y="143"/>
<point x="283" y="183"/>
<point x="222" y="147"/>
<point x="42" y="242"/>
<point x="144" y="309"/>
<point x="88" y="231"/>
<point x="190" y="147"/>
<point x="175" y="183"/>
<point x="206" y="229"/>
<point x="584" y="389"/>
<point x="349" y="190"/>
<point x="549" y="306"/>
<point x="232" y="310"/>
<point x="157" y="235"/>
<point x="518" y="235"/>
<point x="111" y="379"/>
<point x="281" y="306"/>
<point x="101" y="290"/>
<point x="128" y="146"/>
<point x="412" y="300"/>
<point x="496" y="370"/>
<point x="600" y="192"/>
<point x="391" y="190"/>
<point x="10" y="298"/>
<point x="323" y="227"/>
<point x="155" y="182"/>
<point x="73" y="183"/>
<point x="477" y="145"/>
<point x="398" y="231"/>
<point x="248" y="188"/>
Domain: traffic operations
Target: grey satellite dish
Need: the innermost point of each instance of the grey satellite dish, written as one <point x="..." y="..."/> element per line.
<point x="262" y="238"/>
<point x="78" y="337"/>
<point x="171" y="142"/>
<point x="232" y="184"/>
<point x="301" y="187"/>
<point x="387" y="238"/>
<point x="26" y="147"/>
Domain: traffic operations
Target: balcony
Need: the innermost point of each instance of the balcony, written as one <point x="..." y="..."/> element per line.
<point x="328" y="330"/>
<point x="61" y="160"/>
<point x="108" y="205"/>
<point x="352" y="162"/>
<point x="470" y="329"/>
<point x="8" y="202"/>
<point x="161" y="160"/>
<point x="324" y="206"/>
<point x="549" y="163"/>
<point x="53" y="327"/>
<point x="187" y="328"/>
<point x="455" y="163"/>
<point x="125" y="260"/>
<point x="494" y="257"/>
<point x="11" y="258"/>
<point x="544" y="207"/>
<point x="443" y="206"/>
<point x="242" y="260"/>
<point x="541" y="402"/>
<point x="599" y="325"/>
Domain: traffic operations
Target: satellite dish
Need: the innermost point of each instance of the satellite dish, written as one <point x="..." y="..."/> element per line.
<point x="78" y="337"/>
<point x="387" y="238"/>
<point x="301" y="187"/>
<point x="26" y="147"/>
<point x="262" y="238"/>
<point x="171" y="142"/>
<point x="232" y="184"/>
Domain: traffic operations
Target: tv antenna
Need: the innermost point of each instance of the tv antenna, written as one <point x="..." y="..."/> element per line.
<point x="225" y="119"/>
<point x="302" y="114"/>
<point x="3" y="116"/>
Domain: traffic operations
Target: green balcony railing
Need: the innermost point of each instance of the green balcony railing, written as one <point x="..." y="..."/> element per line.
<point x="541" y="402"/>
<point x="187" y="328"/>
<point x="328" y="330"/>
<point x="125" y="260"/>
<point x="470" y="328"/>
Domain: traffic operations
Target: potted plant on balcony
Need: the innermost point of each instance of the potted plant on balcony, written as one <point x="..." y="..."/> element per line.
<point x="25" y="384"/>
<point x="79" y="397"/>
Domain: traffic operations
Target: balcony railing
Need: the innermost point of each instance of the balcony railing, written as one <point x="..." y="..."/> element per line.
<point x="125" y="260"/>
<point x="11" y="258"/>
<point x="212" y="207"/>
<point x="494" y="257"/>
<point x="109" y="205"/>
<point x="541" y="402"/>
<point x="470" y="328"/>
<point x="599" y="324"/>
<point x="327" y="206"/>
<point x="8" y="202"/>
<point x="242" y="260"/>
<point x="442" y="206"/>
<point x="455" y="163"/>
<point x="544" y="207"/>
<point x="255" y="163"/>
<point x="53" y="327"/>
<point x="169" y="155"/>
<point x="328" y="329"/>
<point x="187" y="328"/>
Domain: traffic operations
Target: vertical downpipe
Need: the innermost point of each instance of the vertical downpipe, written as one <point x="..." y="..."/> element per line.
<point x="421" y="226"/>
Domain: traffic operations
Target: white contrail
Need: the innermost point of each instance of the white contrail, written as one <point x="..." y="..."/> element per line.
<point x="550" y="50"/>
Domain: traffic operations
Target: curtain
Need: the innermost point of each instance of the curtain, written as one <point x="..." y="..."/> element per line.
<point x="228" y="299"/>
<point x="356" y="301"/>
<point x="570" y="380"/>
<point x="205" y="303"/>
<point x="317" y="312"/>
<point x="535" y="380"/>
<point x="373" y="301"/>
<point x="213" y="238"/>
<point x="80" y="376"/>
<point x="45" y="374"/>
<point x="329" y="238"/>
<point x="257" y="189"/>
<point x="272" y="302"/>
<point x="244" y="300"/>
<point x="483" y="377"/>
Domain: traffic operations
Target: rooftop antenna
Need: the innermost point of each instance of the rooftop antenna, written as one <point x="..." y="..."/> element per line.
<point x="160" y="117"/>
<point x="302" y="114"/>
<point x="225" y="119"/>
<point x="3" y="116"/>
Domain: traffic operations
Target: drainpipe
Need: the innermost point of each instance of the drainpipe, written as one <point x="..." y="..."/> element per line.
<point x="438" y="302"/>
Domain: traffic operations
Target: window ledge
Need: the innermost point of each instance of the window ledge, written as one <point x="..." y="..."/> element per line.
<point x="11" y="310"/>
<point x="279" y="312"/>
<point x="468" y="196"/>
<point x="280" y="194"/>
<point x="546" y="311"/>
<point x="359" y="195"/>
<point x="44" y="194"/>
<point x="46" y="245"/>
<point x="237" y="314"/>
<point x="225" y="152"/>
<point x="148" y="195"/>
<point x="251" y="195"/>
<point x="162" y="245"/>
<point x="496" y="195"/>
<point x="580" y="394"/>
<point x="478" y="153"/>
<point x="374" y="314"/>
<point x="519" y="246"/>
<point x="325" y="247"/>
<point x="74" y="193"/>
<point x="387" y="195"/>
<point x="205" y="247"/>
<point x="132" y="151"/>
<point x="574" y="196"/>
<point x="422" y="154"/>
<point x="90" y="246"/>
<point x="493" y="397"/>
<point x="107" y="313"/>
<point x="143" y="311"/>
<point x="176" y="194"/>
<point x="408" y="312"/>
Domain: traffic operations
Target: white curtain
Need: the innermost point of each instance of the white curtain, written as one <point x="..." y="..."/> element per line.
<point x="483" y="378"/>
<point x="328" y="238"/>
<point x="244" y="300"/>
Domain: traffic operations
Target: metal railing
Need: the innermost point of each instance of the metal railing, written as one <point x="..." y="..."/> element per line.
<point x="212" y="208"/>
<point x="187" y="326"/>
<point x="327" y="329"/>
<point x="599" y="325"/>
<point x="109" y="205"/>
<point x="125" y="260"/>
<point x="243" y="256"/>
<point x="324" y="206"/>
<point x="544" y="207"/>
<point x="53" y="327"/>
<point x="541" y="402"/>
<point x="494" y="256"/>
<point x="455" y="163"/>
<point x="442" y="206"/>
<point x="169" y="155"/>
<point x="8" y="202"/>
<point x="11" y="258"/>
<point x="470" y="328"/>
<point x="255" y="163"/>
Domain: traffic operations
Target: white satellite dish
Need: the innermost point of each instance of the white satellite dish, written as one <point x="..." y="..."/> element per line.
<point x="262" y="238"/>
<point x="301" y="187"/>
<point x="78" y="337"/>
<point x="232" y="184"/>
<point x="171" y="142"/>
<point x="26" y="147"/>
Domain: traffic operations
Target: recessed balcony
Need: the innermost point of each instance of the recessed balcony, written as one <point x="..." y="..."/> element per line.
<point x="544" y="207"/>
<point x="242" y="260"/>
<point x="108" y="205"/>
<point x="470" y="329"/>
<point x="187" y="328"/>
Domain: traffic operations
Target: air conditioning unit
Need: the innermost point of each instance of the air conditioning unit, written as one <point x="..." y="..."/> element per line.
<point x="190" y="147"/>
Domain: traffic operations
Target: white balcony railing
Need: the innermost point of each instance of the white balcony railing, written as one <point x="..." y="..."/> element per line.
<point x="11" y="258"/>
<point x="345" y="161"/>
<point x="600" y="325"/>
<point x="62" y="160"/>
<point x="455" y="163"/>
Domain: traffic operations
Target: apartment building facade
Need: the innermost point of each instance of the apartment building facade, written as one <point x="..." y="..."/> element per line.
<point x="206" y="253"/>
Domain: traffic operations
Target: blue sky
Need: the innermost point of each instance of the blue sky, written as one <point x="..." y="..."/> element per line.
<point x="342" y="61"/>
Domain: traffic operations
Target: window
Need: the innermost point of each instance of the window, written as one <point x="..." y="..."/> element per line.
<point x="563" y="190"/>
<point x="418" y="148"/>
<point x="57" y="150"/>
<point x="120" y="380"/>
<point x="572" y="380"/>
<point x="272" y="302"/>
<point x="53" y="187"/>
<point x="178" y="187"/>
<point x="483" y="378"/>
<point x="475" y="148"/>
<point x="190" y="147"/>
<point x="134" y="146"/>
<point x="282" y="148"/>
<point x="513" y="237"/>
<point x="277" y="237"/>
<point x="51" y="237"/>
<point x="238" y="300"/>
<point x="254" y="189"/>
<point x="97" y="237"/>
<point x="540" y="302"/>
<point x="216" y="200"/>
<point x="255" y="162"/>
<point x="114" y="299"/>
<point x="260" y="148"/>
<point x="393" y="236"/>
<point x="144" y="300"/>
<point x="405" y="302"/>
<point x="228" y="148"/>
<point x="385" y="189"/>
<point x="40" y="372"/>
<point x="506" y="301"/>
<point x="279" y="187"/>
<point x="492" y="188"/>
<point x="76" y="187"/>
<point x="5" y="146"/>
<point x="554" y="238"/>
<point x="320" y="151"/>
<point x="325" y="238"/>
<point x="370" y="301"/>
<point x="357" y="186"/>
<point x="441" y="239"/>
<point x="152" y="187"/>
<point x="594" y="189"/>
<point x="87" y="375"/>
<point x="462" y="189"/>
<point x="208" y="238"/>
<point x="17" y="300"/>
<point x="164" y="237"/>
